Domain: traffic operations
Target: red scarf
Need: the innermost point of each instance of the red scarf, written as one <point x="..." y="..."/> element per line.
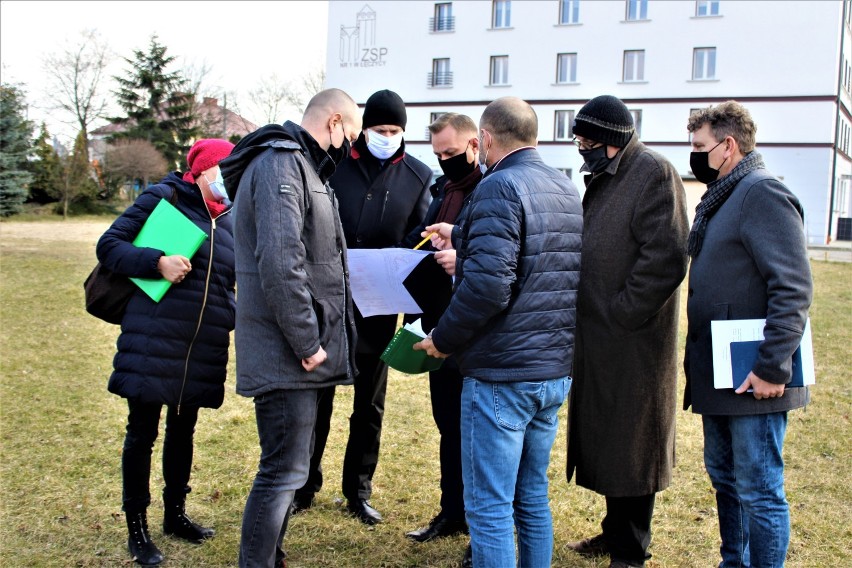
<point x="216" y="207"/>
<point x="455" y="192"/>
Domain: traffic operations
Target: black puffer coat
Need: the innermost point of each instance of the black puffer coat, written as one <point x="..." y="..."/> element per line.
<point x="174" y="352"/>
<point x="518" y="241"/>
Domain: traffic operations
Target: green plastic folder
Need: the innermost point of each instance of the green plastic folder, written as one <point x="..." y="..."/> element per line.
<point x="168" y="230"/>
<point x="399" y="354"/>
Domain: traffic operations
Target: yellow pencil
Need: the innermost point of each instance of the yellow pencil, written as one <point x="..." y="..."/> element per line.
<point x="423" y="242"/>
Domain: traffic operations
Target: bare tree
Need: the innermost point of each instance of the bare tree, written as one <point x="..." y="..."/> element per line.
<point x="311" y="83"/>
<point x="133" y="159"/>
<point x="270" y="95"/>
<point x="75" y="78"/>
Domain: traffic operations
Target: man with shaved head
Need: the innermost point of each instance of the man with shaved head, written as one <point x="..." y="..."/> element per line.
<point x="295" y="332"/>
<point x="510" y="327"/>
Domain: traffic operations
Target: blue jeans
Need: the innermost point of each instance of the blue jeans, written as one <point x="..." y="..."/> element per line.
<point x="507" y="432"/>
<point x="285" y="426"/>
<point x="742" y="455"/>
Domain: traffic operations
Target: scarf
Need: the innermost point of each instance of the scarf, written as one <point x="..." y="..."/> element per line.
<point x="717" y="193"/>
<point x="455" y="192"/>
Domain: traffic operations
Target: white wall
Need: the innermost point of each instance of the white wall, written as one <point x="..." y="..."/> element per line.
<point x="773" y="51"/>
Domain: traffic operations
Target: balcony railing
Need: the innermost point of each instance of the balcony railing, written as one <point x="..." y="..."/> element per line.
<point x="442" y="24"/>
<point x="444" y="79"/>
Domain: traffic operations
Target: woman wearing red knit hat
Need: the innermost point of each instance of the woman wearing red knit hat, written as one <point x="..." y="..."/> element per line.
<point x="173" y="352"/>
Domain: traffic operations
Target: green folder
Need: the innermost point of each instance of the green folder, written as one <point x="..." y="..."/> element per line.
<point x="168" y="230"/>
<point x="400" y="355"/>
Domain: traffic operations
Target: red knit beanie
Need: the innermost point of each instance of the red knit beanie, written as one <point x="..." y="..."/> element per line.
<point x="205" y="154"/>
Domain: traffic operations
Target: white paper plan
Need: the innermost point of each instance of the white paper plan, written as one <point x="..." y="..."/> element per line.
<point x="376" y="276"/>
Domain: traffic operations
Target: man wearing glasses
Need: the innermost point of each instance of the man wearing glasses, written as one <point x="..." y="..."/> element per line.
<point x="622" y="412"/>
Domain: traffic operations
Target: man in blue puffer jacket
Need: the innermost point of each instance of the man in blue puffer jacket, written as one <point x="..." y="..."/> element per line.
<point x="510" y="326"/>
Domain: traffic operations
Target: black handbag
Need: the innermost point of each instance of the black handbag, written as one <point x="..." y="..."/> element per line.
<point x="107" y="294"/>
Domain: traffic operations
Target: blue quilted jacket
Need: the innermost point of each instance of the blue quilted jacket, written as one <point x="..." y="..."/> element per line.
<point x="174" y="352"/>
<point x="517" y="243"/>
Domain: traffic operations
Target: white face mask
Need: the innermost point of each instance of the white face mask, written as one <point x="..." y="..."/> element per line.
<point x="217" y="188"/>
<point x="383" y="147"/>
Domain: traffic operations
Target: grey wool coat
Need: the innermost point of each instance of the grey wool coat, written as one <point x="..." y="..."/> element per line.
<point x="753" y="265"/>
<point x="621" y="434"/>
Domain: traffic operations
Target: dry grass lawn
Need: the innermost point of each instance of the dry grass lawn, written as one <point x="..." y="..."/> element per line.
<point x="62" y="434"/>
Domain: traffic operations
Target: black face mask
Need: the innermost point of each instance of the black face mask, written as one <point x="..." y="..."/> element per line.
<point x="457" y="167"/>
<point x="340" y="153"/>
<point x="699" y="162"/>
<point x="596" y="159"/>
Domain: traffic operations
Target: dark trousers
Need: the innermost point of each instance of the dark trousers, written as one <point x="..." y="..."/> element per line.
<point x="627" y="528"/>
<point x="325" y="406"/>
<point x="445" y="387"/>
<point x="143" y="421"/>
<point x="365" y="430"/>
<point x="365" y="427"/>
<point x="285" y="424"/>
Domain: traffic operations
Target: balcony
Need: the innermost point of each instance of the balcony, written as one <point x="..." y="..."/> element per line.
<point x="440" y="79"/>
<point x="447" y="24"/>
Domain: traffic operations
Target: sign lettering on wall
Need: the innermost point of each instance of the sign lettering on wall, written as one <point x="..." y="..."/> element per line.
<point x="358" y="43"/>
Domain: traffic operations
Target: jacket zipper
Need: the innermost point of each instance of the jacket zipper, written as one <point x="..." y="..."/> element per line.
<point x="203" y="306"/>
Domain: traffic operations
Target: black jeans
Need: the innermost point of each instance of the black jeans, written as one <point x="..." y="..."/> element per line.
<point x="445" y="387"/>
<point x="325" y="407"/>
<point x="143" y="422"/>
<point x="627" y="528"/>
<point x="285" y="423"/>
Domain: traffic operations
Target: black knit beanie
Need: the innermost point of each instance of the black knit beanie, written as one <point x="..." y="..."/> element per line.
<point x="384" y="107"/>
<point x="605" y="119"/>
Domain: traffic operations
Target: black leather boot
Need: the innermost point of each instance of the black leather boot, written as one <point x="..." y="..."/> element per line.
<point x="142" y="549"/>
<point x="176" y="523"/>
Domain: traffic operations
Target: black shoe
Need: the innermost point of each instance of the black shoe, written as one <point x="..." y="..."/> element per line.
<point x="139" y="543"/>
<point x="362" y="511"/>
<point x="176" y="523"/>
<point x="438" y="527"/>
<point x="301" y="502"/>
<point x="467" y="559"/>
<point x="595" y="546"/>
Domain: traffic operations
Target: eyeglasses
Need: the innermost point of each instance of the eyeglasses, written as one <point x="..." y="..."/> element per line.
<point x="585" y="145"/>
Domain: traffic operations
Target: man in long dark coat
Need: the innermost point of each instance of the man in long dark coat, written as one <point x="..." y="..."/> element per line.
<point x="622" y="413"/>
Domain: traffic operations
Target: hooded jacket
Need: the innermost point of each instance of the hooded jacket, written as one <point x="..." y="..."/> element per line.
<point x="292" y="274"/>
<point x="174" y="352"/>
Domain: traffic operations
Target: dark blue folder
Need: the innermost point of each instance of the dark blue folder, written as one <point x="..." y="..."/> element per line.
<point x="743" y="356"/>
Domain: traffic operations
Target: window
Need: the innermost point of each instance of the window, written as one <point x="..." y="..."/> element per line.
<point x="433" y="116"/>
<point x="563" y="125"/>
<point x="704" y="63"/>
<point x="634" y="66"/>
<point x="499" y="70"/>
<point x="566" y="68"/>
<point x="441" y="76"/>
<point x="637" y="121"/>
<point x="637" y="10"/>
<point x="443" y="20"/>
<point x="501" y="14"/>
<point x="706" y="8"/>
<point x="569" y="12"/>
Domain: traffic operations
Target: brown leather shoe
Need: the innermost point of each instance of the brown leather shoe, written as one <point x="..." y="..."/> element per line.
<point x="595" y="546"/>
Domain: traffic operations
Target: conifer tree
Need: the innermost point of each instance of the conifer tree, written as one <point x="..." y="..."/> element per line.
<point x="78" y="183"/>
<point x="157" y="104"/>
<point x="46" y="169"/>
<point x="15" y="146"/>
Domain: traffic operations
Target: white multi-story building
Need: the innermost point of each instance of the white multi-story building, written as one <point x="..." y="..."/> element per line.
<point x="789" y="62"/>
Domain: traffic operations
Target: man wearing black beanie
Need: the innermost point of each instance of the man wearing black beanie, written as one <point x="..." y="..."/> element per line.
<point x="383" y="194"/>
<point x="622" y="412"/>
